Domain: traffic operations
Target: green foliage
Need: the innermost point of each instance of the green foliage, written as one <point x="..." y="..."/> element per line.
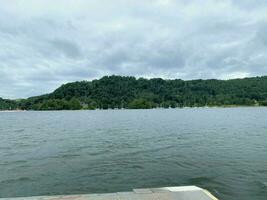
<point x="115" y="92"/>
<point x="50" y="104"/>
<point x="6" y="104"/>
<point x="74" y="104"/>
<point x="140" y="104"/>
<point x="263" y="103"/>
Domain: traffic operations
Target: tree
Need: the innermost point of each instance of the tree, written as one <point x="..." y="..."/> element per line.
<point x="74" y="104"/>
<point x="140" y="104"/>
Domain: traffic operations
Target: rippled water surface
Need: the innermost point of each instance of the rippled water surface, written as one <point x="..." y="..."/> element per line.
<point x="69" y="152"/>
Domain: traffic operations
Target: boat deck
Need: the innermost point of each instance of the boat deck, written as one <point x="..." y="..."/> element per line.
<point x="165" y="193"/>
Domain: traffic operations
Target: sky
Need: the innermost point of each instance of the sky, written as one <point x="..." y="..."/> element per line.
<point x="46" y="43"/>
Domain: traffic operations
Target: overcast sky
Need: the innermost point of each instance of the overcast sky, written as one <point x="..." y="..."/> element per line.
<point x="45" y="43"/>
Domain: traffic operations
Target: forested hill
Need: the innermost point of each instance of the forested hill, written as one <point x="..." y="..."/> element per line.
<point x="129" y="92"/>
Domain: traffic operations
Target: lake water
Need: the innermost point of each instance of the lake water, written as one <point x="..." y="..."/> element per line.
<point x="70" y="152"/>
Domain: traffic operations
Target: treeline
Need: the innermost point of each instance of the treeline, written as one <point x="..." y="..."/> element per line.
<point x="116" y="92"/>
<point x="6" y="104"/>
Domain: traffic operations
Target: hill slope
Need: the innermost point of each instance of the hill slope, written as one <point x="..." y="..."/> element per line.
<point x="129" y="92"/>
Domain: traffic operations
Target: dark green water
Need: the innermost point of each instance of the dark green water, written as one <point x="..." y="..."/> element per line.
<point x="69" y="152"/>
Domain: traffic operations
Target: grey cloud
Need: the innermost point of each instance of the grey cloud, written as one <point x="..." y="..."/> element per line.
<point x="47" y="43"/>
<point x="261" y="35"/>
<point x="68" y="48"/>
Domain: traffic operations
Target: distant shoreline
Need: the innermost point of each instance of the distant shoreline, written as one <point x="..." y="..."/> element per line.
<point x="13" y="110"/>
<point x="159" y="108"/>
